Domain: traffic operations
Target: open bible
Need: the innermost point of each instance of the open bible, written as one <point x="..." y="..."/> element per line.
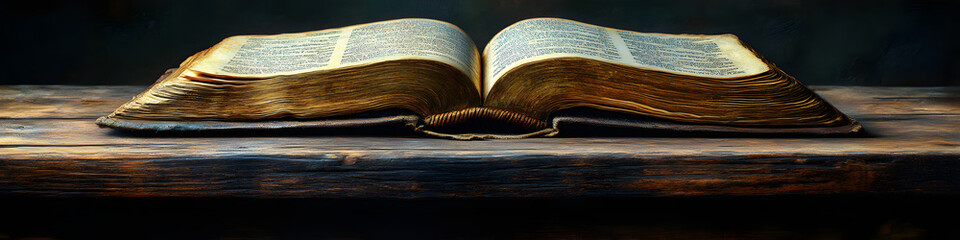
<point x="536" y="76"/>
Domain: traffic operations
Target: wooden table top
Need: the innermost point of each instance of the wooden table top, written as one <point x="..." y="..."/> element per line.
<point x="50" y="146"/>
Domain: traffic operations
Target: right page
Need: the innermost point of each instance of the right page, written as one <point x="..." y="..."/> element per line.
<point x="542" y="67"/>
<point x="714" y="56"/>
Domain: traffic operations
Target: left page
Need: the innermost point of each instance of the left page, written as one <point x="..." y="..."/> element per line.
<point x="419" y="65"/>
<point x="263" y="56"/>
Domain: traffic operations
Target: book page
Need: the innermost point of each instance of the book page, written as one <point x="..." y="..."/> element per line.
<point x="420" y="38"/>
<point x="263" y="56"/>
<point x="287" y="54"/>
<point x="715" y="56"/>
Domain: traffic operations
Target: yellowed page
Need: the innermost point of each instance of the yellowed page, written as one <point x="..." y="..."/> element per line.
<point x="715" y="56"/>
<point x="252" y="56"/>
<point x="261" y="56"/>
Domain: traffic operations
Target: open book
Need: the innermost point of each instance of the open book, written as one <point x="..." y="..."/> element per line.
<point x="535" y="75"/>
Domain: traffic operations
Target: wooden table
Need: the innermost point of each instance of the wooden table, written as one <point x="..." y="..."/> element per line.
<point x="50" y="146"/>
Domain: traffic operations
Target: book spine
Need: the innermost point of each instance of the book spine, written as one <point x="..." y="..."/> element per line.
<point x="463" y="115"/>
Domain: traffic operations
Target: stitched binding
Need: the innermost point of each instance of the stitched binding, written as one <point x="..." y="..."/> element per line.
<point x="463" y="115"/>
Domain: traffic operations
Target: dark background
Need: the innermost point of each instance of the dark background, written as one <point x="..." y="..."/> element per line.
<point x="875" y="43"/>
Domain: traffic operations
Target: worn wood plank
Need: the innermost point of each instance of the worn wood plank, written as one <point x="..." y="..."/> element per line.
<point x="892" y="101"/>
<point x="29" y="138"/>
<point x="59" y="101"/>
<point x="914" y="147"/>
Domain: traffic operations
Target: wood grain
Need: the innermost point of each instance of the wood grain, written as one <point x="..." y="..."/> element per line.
<point x="49" y="146"/>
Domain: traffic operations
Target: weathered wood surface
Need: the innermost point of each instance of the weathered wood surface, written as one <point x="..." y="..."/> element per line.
<point x="49" y="146"/>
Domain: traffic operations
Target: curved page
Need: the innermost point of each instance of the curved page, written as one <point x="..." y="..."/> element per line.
<point x="714" y="56"/>
<point x="262" y="56"/>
